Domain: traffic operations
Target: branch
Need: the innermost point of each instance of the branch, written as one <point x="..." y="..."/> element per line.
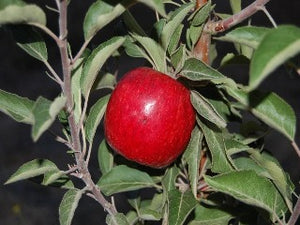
<point x="222" y="25"/>
<point x="46" y="30"/>
<point x="201" y="49"/>
<point x="294" y="217"/>
<point x="82" y="166"/>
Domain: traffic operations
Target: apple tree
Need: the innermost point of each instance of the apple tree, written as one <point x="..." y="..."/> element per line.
<point x="168" y="123"/>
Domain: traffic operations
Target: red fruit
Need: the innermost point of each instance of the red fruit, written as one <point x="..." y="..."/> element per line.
<point x="149" y="118"/>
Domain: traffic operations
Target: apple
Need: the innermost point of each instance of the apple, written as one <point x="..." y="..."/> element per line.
<point x="149" y="118"/>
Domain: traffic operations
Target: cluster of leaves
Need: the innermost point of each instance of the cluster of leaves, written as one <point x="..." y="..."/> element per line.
<point x="222" y="177"/>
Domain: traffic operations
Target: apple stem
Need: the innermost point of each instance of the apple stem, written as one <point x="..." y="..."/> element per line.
<point x="75" y="129"/>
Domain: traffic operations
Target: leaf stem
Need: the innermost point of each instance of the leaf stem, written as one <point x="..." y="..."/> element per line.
<point x="223" y="25"/>
<point x="46" y="30"/>
<point x="55" y="75"/>
<point x="296" y="147"/>
<point x="83" y="47"/>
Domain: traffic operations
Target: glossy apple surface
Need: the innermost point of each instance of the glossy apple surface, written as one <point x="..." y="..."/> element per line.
<point x="149" y="118"/>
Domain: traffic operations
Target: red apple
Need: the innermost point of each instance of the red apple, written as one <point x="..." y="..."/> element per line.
<point x="149" y="118"/>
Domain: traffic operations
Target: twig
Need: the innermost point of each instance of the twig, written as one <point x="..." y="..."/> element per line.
<point x="295" y="215"/>
<point x="264" y="9"/>
<point x="222" y="25"/>
<point x="83" y="47"/>
<point x="55" y="75"/>
<point x="83" y="172"/>
<point x="46" y="30"/>
<point x="296" y="147"/>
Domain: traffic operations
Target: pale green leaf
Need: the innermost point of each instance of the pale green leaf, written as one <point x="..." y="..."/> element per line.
<point x="178" y="58"/>
<point x="118" y="219"/>
<point x="250" y="188"/>
<point x="176" y="19"/>
<point x="168" y="180"/>
<point x="180" y="206"/>
<point x="250" y="36"/>
<point x="57" y="178"/>
<point x="132" y="24"/>
<point x="192" y="158"/>
<point x="31" y="42"/>
<point x="105" y="158"/>
<point x="68" y="206"/>
<point x="205" y="109"/>
<point x="196" y="70"/>
<point x="154" y="50"/>
<point x="17" y="12"/>
<point x="216" y="143"/>
<point x="277" y="174"/>
<point x="175" y="39"/>
<point x="122" y="178"/>
<point x="277" y="46"/>
<point x="31" y="169"/>
<point x="202" y="14"/>
<point x="45" y="112"/>
<point x="205" y="215"/>
<point x="95" y="116"/>
<point x="18" y="108"/>
<point x="270" y="108"/>
<point x="100" y="14"/>
<point x="156" y="5"/>
<point x="95" y="62"/>
<point x="236" y="6"/>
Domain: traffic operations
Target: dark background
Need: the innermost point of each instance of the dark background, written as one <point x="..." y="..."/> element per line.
<point x="27" y="203"/>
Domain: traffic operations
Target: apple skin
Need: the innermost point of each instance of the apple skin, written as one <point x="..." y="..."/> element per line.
<point x="149" y="118"/>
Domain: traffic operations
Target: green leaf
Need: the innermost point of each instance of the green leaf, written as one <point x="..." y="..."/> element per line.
<point x="100" y="14"/>
<point x="68" y="206"/>
<point x="276" y="173"/>
<point x="118" y="219"/>
<point x="236" y="6"/>
<point x="245" y="163"/>
<point x="134" y="50"/>
<point x="175" y="21"/>
<point x="105" y="158"/>
<point x="196" y="70"/>
<point x="95" y="62"/>
<point x="107" y="80"/>
<point x="270" y="108"/>
<point x="175" y="39"/>
<point x="122" y="178"/>
<point x="194" y="34"/>
<point x="75" y="82"/>
<point x="221" y="162"/>
<point x="271" y="53"/>
<point x="16" y="12"/>
<point x="95" y="116"/>
<point x="149" y="214"/>
<point x="210" y="215"/>
<point x="154" y="50"/>
<point x="57" y="178"/>
<point x="178" y="58"/>
<point x="250" y="188"/>
<point x="205" y="109"/>
<point x="202" y="14"/>
<point x="45" y="112"/>
<point x="180" y="206"/>
<point x="18" y="108"/>
<point x="192" y="158"/>
<point x="31" y="169"/>
<point x="132" y="24"/>
<point x="31" y="42"/>
<point x="156" y="5"/>
<point x="250" y="36"/>
<point x="168" y="180"/>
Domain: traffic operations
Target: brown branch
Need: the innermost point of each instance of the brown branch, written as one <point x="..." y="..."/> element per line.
<point x="201" y="49"/>
<point x="83" y="172"/>
<point x="222" y="25"/>
<point x="295" y="215"/>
